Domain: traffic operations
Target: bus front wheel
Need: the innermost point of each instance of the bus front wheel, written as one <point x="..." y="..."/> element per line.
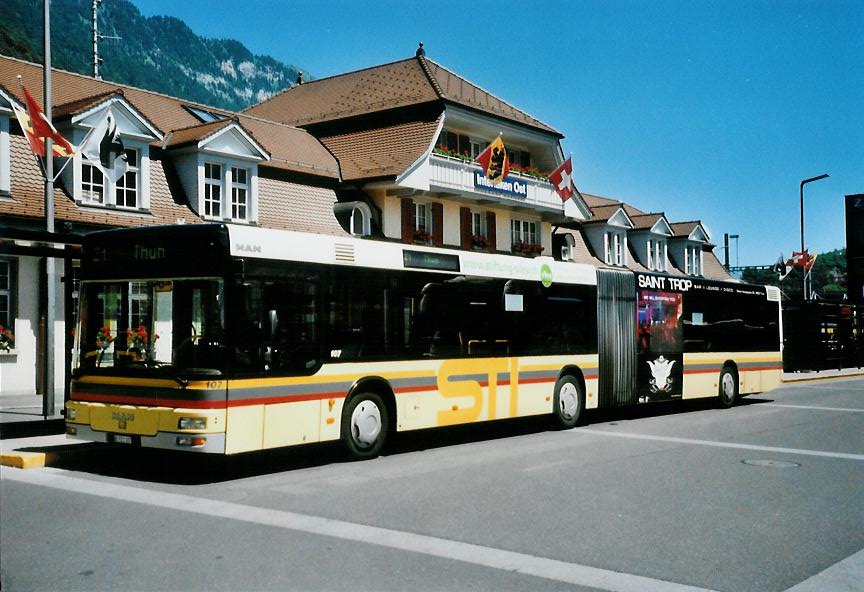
<point x="364" y="426"/>
<point x="568" y="402"/>
<point x="728" y="388"/>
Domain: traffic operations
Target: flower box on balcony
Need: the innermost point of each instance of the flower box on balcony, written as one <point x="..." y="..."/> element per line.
<point x="423" y="237"/>
<point x="527" y="249"/>
<point x="480" y="242"/>
<point x="444" y="151"/>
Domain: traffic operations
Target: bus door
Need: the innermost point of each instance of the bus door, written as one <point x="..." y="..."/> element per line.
<point x="616" y="324"/>
<point x="660" y="343"/>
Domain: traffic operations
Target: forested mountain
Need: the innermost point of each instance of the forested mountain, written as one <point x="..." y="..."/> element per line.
<point x="828" y="275"/>
<point x="156" y="53"/>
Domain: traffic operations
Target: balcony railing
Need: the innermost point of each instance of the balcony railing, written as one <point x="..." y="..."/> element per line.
<point x="453" y="174"/>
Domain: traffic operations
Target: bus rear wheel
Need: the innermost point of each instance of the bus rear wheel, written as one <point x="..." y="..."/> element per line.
<point x="728" y="387"/>
<point x="568" y="402"/>
<point x="364" y="426"/>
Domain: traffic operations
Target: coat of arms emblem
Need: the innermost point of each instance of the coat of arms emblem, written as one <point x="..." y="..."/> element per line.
<point x="661" y="381"/>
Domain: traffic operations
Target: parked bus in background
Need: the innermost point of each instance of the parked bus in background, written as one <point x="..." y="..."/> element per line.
<point x="227" y="339"/>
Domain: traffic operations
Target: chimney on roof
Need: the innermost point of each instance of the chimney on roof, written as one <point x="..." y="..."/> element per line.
<point x="299" y="78"/>
<point x="420" y="51"/>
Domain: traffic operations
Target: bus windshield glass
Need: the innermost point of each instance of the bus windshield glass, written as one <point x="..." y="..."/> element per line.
<point x="174" y="325"/>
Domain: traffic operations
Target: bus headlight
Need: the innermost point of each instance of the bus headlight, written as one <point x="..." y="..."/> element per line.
<point x="192" y="423"/>
<point x="71" y="413"/>
<point x="191" y="441"/>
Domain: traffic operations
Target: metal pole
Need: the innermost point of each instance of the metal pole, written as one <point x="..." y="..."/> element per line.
<point x="726" y="250"/>
<point x="48" y="395"/>
<point x="801" y="195"/>
<point x="95" y="39"/>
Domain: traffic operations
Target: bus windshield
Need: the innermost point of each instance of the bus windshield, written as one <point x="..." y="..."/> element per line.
<point x="176" y="325"/>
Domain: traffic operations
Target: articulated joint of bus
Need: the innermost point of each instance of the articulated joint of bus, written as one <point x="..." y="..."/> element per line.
<point x="195" y="430"/>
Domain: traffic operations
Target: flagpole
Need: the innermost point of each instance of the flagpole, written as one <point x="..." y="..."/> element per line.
<point x="51" y="297"/>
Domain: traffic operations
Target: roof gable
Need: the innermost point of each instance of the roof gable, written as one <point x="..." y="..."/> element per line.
<point x="692" y="230"/>
<point x="655" y="223"/>
<point x="89" y="112"/>
<point x="225" y="137"/>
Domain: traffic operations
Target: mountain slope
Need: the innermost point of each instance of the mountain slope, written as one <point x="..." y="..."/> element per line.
<point x="157" y="53"/>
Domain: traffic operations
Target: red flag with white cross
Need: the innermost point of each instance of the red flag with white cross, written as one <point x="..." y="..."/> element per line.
<point x="562" y="179"/>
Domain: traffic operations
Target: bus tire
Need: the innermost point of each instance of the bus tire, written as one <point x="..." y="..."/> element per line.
<point x="568" y="402"/>
<point x="727" y="390"/>
<point x="364" y="426"/>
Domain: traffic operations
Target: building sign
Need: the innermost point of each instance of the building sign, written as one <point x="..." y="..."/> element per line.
<point x="855" y="246"/>
<point x="426" y="260"/>
<point x="509" y="186"/>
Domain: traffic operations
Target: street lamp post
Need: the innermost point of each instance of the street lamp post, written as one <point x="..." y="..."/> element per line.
<point x="803" y="183"/>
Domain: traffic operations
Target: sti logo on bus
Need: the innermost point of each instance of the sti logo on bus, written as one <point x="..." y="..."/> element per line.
<point x="660" y="283"/>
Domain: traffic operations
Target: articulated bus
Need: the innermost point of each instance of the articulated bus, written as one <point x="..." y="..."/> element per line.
<point x="227" y="339"/>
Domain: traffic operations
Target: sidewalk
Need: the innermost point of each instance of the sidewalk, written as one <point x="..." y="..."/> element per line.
<point x="21" y="416"/>
<point x="822" y="374"/>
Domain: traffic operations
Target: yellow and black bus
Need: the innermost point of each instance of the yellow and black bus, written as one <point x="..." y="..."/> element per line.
<point x="227" y="339"/>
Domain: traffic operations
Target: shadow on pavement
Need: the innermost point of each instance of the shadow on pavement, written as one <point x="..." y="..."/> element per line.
<point x="184" y="468"/>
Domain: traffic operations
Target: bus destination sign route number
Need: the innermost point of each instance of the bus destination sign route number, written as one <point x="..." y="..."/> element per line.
<point x="423" y="260"/>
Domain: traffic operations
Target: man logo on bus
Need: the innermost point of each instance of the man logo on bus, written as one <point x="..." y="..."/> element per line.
<point x="661" y="368"/>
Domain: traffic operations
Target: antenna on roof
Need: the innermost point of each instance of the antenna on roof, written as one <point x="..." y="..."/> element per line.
<point x="420" y="51"/>
<point x="299" y="77"/>
<point x="96" y="37"/>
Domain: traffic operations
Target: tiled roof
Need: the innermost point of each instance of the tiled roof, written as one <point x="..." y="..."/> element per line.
<point x="291" y="148"/>
<point x="383" y="151"/>
<point x="684" y="228"/>
<point x="28" y="192"/>
<point x="598" y="201"/>
<point x="646" y="221"/>
<point x="410" y="82"/>
<point x="713" y="269"/>
<point x="602" y="214"/>
<point x="580" y="252"/>
<point x="195" y="133"/>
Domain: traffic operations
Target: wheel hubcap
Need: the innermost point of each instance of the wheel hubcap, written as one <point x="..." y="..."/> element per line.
<point x="568" y="400"/>
<point x="366" y="424"/>
<point x="728" y="386"/>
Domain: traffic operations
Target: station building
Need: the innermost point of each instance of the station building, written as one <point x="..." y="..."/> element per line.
<point x="386" y="152"/>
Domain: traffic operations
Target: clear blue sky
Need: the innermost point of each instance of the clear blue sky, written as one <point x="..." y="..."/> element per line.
<point x="702" y="109"/>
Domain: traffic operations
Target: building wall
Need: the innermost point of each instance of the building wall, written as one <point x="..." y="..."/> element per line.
<point x="18" y="370"/>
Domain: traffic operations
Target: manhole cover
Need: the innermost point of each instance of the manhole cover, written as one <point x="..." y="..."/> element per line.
<point x="777" y="464"/>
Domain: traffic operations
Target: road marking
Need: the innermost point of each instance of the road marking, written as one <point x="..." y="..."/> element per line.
<point x="850" y="409"/>
<point x="843" y="575"/>
<point x="798" y="451"/>
<point x="541" y="567"/>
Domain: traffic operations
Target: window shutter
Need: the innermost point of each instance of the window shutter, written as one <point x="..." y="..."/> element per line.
<point x="490" y="231"/>
<point x="437" y="224"/>
<point x="465" y="228"/>
<point x="407" y="220"/>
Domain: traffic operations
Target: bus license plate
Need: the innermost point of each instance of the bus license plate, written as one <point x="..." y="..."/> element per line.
<point x="122" y="439"/>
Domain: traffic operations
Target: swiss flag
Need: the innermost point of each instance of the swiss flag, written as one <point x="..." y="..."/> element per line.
<point x="562" y="179"/>
<point x="37" y="127"/>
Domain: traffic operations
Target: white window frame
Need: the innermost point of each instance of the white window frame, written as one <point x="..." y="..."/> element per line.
<point x="607" y="248"/>
<point x="423" y="216"/>
<point x="525" y="231"/>
<point x="227" y="187"/>
<point x="109" y="188"/>
<point x="240" y="188"/>
<point x="5" y="155"/>
<point x="135" y="191"/>
<point x="361" y="215"/>
<point x="9" y="292"/>
<point x="650" y="250"/>
<point x="479" y="226"/>
<point x="213" y="184"/>
<point x="95" y="179"/>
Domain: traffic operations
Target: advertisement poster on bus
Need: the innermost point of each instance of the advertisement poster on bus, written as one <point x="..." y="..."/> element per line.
<point x="659" y="348"/>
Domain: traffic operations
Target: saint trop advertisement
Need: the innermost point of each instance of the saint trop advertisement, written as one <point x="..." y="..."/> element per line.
<point x="659" y="345"/>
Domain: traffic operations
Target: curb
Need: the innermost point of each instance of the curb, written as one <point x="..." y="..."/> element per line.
<point x="23" y="460"/>
<point x="822" y="377"/>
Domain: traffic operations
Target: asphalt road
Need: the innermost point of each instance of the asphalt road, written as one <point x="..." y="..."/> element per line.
<point x="766" y="496"/>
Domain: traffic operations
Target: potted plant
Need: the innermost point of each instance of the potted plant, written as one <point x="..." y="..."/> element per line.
<point x="479" y="242"/>
<point x="138" y="340"/>
<point x="422" y="236"/>
<point x="7" y="340"/>
<point x="529" y="249"/>
<point x="104" y="339"/>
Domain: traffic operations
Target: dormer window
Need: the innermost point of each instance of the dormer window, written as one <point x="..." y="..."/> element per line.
<point x="224" y="159"/>
<point x="615" y="249"/>
<point x="693" y="260"/>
